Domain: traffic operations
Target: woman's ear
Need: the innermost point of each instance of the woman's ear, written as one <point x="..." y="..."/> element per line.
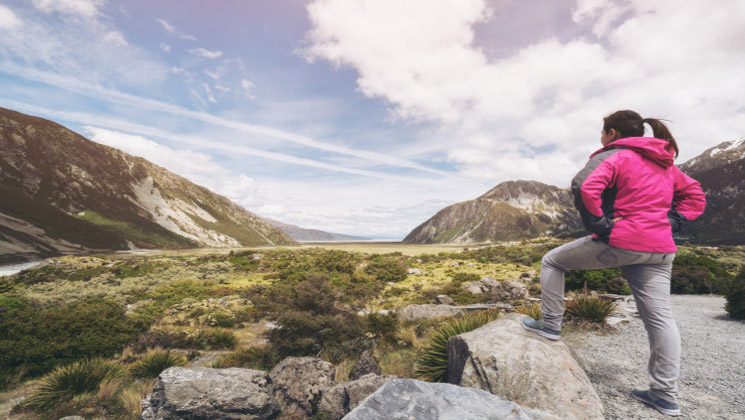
<point x="613" y="133"/>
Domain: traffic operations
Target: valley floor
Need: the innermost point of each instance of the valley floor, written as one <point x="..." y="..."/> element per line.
<point x="712" y="380"/>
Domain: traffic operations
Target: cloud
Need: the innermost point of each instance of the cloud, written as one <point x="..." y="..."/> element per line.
<point x="8" y="19"/>
<point x="172" y="30"/>
<point x="165" y="47"/>
<point x="88" y="9"/>
<point x="536" y="114"/>
<point x="201" y="52"/>
<point x="183" y="162"/>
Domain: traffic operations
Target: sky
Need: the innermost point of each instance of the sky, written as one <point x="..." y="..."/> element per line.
<point x="366" y="117"/>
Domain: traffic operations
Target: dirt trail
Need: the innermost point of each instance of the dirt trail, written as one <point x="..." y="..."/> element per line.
<point x="712" y="380"/>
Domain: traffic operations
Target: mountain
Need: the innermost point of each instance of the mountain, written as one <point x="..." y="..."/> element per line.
<point x="511" y="210"/>
<point x="311" y="235"/>
<point x="62" y="193"/>
<point x="721" y="171"/>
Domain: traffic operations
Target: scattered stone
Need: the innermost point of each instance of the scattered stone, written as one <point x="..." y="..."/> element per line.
<point x="454" y="264"/>
<point x="528" y="274"/>
<point x="343" y="397"/>
<point x="257" y="257"/>
<point x="298" y="383"/>
<point x="211" y="394"/>
<point x="470" y="264"/>
<point x="504" y="359"/>
<point x="72" y="418"/>
<point x="500" y="291"/>
<point x="416" y="271"/>
<point x="411" y="399"/>
<point x="366" y="364"/>
<point x="443" y="300"/>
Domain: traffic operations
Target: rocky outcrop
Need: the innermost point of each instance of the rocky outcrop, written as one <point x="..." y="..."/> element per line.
<point x="299" y="382"/>
<point x="366" y="364"/>
<point x="211" y="394"/>
<point x="512" y="210"/>
<point x="506" y="360"/>
<point x="343" y="397"/>
<point x="404" y="399"/>
<point x="505" y="291"/>
<point x="426" y="311"/>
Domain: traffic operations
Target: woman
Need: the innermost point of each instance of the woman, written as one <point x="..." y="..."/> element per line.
<point x="632" y="198"/>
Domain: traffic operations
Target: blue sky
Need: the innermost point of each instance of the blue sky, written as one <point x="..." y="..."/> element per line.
<point x="366" y="117"/>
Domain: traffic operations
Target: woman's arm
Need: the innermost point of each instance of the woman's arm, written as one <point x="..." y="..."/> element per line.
<point x="689" y="201"/>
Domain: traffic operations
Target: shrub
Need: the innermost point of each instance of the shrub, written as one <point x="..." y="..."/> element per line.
<point x="388" y="268"/>
<point x="155" y="362"/>
<point x="596" y="279"/>
<point x="698" y="274"/>
<point x="461" y="278"/>
<point x="221" y="319"/>
<point x="73" y="380"/>
<point x="735" y="296"/>
<point x="432" y="364"/>
<point x="591" y="309"/>
<point x="533" y="310"/>
<point x="200" y="339"/>
<point x="301" y="334"/>
<point x="383" y="326"/>
<point x="34" y="339"/>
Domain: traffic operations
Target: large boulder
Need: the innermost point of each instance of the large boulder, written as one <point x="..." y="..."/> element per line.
<point x="504" y="359"/>
<point x="205" y="393"/>
<point x="343" y="397"/>
<point x="298" y="383"/>
<point x="405" y="399"/>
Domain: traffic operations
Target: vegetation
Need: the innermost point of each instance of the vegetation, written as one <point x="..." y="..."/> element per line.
<point x="735" y="295"/>
<point x="266" y="304"/>
<point x="533" y="310"/>
<point x="432" y="364"/>
<point x="591" y="309"/>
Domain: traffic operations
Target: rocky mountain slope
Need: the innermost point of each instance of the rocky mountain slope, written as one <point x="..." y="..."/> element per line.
<point x="721" y="171"/>
<point x="311" y="235"/>
<point x="60" y="192"/>
<point x="511" y="210"/>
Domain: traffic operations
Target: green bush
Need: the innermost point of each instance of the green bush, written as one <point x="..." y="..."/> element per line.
<point x="735" y="296"/>
<point x="432" y="364"/>
<point x="383" y="326"/>
<point x="390" y="268"/>
<point x="34" y="340"/>
<point x="221" y="319"/>
<point x="73" y="380"/>
<point x="461" y="278"/>
<point x="592" y="309"/>
<point x="698" y="274"/>
<point x="200" y="339"/>
<point x="155" y="362"/>
<point x="596" y="279"/>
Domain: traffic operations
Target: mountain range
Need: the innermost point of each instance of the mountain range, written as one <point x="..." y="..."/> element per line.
<point x="527" y="209"/>
<point x="62" y="193"/>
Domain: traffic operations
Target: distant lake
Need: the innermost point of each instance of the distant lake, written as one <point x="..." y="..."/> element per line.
<point x="6" y="270"/>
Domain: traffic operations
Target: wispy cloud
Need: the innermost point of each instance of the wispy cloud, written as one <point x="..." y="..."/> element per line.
<point x="172" y="30"/>
<point x="201" y="52"/>
<point x="85" y="8"/>
<point x="137" y="102"/>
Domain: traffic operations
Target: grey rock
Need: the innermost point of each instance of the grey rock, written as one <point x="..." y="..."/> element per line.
<point x="211" y="394"/>
<point x="443" y="300"/>
<point x="366" y="364"/>
<point x="298" y="383"/>
<point x="72" y="418"/>
<point x="413" y="312"/>
<point x="509" y="291"/>
<point x="416" y="271"/>
<point x="406" y="399"/>
<point x="343" y="397"/>
<point x="504" y="359"/>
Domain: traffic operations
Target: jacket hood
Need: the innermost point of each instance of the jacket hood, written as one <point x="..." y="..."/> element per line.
<point x="651" y="148"/>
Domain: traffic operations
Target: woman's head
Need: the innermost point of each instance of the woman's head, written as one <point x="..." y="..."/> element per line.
<point x="626" y="123"/>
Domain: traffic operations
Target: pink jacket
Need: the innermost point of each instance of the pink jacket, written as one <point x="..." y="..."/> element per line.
<point x="634" y="178"/>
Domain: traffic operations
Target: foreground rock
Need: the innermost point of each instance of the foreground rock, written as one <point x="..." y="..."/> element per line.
<point x="404" y="399"/>
<point x="345" y="396"/>
<point x="506" y="360"/>
<point x="413" y="312"/>
<point x="298" y="383"/>
<point x="210" y="394"/>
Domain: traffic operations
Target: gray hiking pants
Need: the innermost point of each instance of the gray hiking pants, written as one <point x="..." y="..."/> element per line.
<point x="648" y="275"/>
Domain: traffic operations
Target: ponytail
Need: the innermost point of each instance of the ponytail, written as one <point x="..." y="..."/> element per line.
<point x="630" y="124"/>
<point x="660" y="131"/>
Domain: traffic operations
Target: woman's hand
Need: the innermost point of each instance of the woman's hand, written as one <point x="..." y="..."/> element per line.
<point x="617" y="219"/>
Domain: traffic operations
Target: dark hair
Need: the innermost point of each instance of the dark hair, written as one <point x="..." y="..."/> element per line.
<point x="630" y="124"/>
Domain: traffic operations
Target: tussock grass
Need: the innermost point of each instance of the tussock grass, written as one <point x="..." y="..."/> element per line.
<point x="432" y="364"/>
<point x="592" y="309"/>
<point x="533" y="310"/>
<point x="155" y="362"/>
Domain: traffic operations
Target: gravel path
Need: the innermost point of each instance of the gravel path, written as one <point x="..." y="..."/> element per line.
<point x="712" y="379"/>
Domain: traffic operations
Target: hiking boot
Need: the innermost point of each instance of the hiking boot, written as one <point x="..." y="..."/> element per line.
<point x="537" y="327"/>
<point x="663" y="406"/>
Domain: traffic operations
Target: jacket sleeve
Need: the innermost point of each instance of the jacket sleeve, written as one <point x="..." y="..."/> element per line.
<point x="588" y="186"/>
<point x="689" y="201"/>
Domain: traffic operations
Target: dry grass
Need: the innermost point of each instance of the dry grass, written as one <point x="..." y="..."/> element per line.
<point x="131" y="397"/>
<point x="343" y="370"/>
